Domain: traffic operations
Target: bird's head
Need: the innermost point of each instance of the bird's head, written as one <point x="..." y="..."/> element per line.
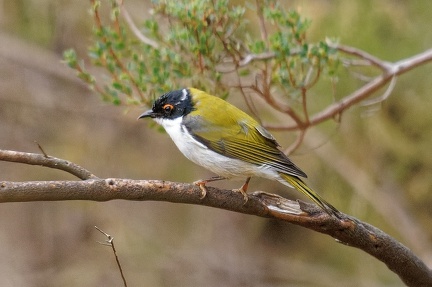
<point x="170" y="106"/>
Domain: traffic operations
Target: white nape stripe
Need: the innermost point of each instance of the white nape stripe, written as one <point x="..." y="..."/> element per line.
<point x="185" y="92"/>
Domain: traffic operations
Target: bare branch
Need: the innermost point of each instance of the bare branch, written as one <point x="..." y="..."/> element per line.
<point x="41" y="149"/>
<point x="47" y="161"/>
<point x="296" y="143"/>
<point x="262" y="25"/>
<point x="395" y="69"/>
<point x="253" y="57"/>
<point x="110" y="242"/>
<point x="144" y="39"/>
<point x="348" y="230"/>
<point x="384" y="96"/>
<point x="390" y="72"/>
<point x="383" y="65"/>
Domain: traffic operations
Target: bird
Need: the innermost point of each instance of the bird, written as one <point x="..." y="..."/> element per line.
<point x="220" y="137"/>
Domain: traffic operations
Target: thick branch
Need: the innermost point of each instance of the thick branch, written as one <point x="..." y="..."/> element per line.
<point x="348" y="230"/>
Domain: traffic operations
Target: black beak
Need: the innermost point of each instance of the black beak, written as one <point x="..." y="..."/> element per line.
<point x="147" y="114"/>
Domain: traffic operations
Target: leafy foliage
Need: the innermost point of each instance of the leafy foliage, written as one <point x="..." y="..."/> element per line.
<point x="206" y="44"/>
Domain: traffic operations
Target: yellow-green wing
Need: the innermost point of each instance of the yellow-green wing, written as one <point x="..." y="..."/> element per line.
<point x="245" y="139"/>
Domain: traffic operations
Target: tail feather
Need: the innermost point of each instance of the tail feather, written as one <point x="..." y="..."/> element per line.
<point x="298" y="184"/>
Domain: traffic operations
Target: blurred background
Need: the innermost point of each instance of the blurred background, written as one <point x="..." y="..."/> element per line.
<point x="376" y="165"/>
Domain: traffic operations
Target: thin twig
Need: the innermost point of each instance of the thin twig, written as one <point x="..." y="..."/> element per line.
<point x="262" y="25"/>
<point x="304" y="106"/>
<point x="279" y="106"/>
<point x="253" y="57"/>
<point x="110" y="242"/>
<point x="336" y="109"/>
<point x="247" y="99"/>
<point x="297" y="143"/>
<point x="117" y="60"/>
<point x="361" y="77"/>
<point x="135" y="30"/>
<point x="250" y="104"/>
<point x="347" y="62"/>
<point x="41" y="149"/>
<point x="383" y="65"/>
<point x="333" y="111"/>
<point x="384" y="96"/>
<point x="249" y="58"/>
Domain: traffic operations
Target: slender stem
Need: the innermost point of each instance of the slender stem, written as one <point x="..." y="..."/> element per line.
<point x="297" y="142"/>
<point x="110" y="242"/>
<point x="144" y="39"/>
<point x="262" y="26"/>
<point x="117" y="60"/>
<point x="304" y="106"/>
<point x="383" y="65"/>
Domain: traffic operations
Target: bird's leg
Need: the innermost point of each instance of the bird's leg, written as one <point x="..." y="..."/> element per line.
<point x="243" y="190"/>
<point x="202" y="184"/>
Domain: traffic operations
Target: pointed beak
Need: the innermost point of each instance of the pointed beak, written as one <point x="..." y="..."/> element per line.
<point x="147" y="114"/>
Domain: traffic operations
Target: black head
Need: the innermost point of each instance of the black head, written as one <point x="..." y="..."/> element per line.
<point x="171" y="105"/>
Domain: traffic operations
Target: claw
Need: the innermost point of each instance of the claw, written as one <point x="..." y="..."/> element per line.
<point x="202" y="184"/>
<point x="203" y="190"/>
<point x="243" y="190"/>
<point x="245" y="196"/>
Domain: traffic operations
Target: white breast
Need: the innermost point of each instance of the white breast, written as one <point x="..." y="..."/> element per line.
<point x="203" y="156"/>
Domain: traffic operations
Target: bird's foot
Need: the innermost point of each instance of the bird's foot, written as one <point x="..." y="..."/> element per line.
<point x="243" y="190"/>
<point x="202" y="186"/>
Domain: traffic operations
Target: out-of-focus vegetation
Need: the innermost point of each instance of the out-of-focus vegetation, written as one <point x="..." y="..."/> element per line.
<point x="162" y="244"/>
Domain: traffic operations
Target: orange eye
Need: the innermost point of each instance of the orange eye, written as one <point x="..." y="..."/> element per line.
<point x="168" y="108"/>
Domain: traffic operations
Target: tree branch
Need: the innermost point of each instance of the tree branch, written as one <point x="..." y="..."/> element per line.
<point x="389" y="72"/>
<point x="47" y="161"/>
<point x="383" y="65"/>
<point x="144" y="39"/>
<point x="347" y="230"/>
<point x="392" y="71"/>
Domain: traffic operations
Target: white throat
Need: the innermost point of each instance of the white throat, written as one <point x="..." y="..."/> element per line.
<point x="179" y="134"/>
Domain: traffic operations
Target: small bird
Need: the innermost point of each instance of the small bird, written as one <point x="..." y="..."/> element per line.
<point x="225" y="140"/>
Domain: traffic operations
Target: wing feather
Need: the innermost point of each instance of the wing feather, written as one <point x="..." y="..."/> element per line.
<point x="223" y="133"/>
<point x="242" y="141"/>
